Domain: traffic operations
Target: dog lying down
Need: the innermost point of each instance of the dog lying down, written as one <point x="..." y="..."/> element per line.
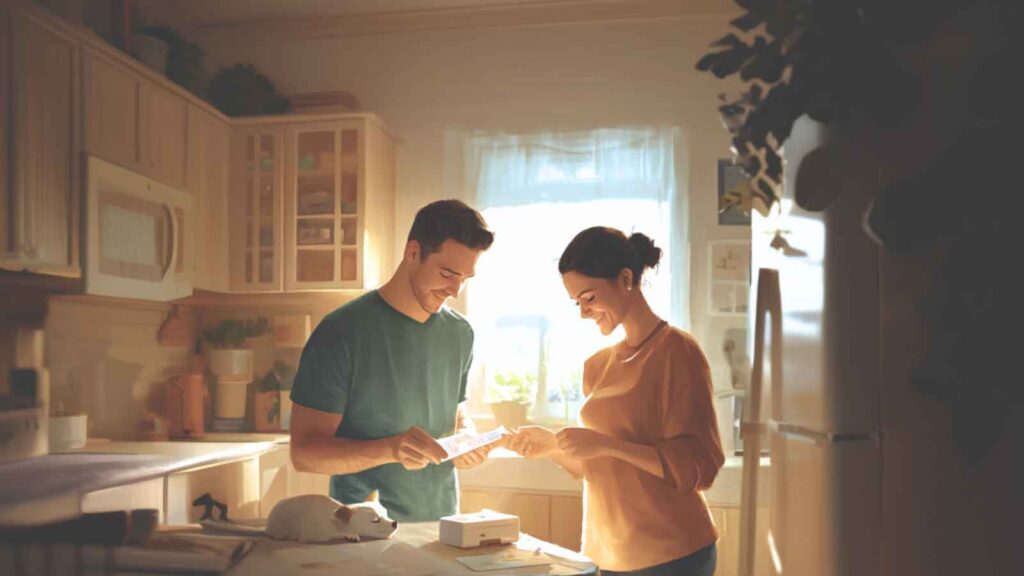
<point x="313" y="518"/>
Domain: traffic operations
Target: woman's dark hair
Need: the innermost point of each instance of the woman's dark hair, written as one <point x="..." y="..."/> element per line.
<point x="602" y="252"/>
<point x="449" y="220"/>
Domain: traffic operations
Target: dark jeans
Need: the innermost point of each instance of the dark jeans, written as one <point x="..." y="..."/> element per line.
<point x="700" y="563"/>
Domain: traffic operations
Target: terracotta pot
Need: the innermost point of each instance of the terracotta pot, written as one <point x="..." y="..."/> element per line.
<point x="510" y="414"/>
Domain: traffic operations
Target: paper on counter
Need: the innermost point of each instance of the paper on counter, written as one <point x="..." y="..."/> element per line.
<point x="458" y="444"/>
<point x="505" y="560"/>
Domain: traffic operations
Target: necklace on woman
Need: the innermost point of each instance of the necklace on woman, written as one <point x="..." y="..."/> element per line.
<point x="649" y="336"/>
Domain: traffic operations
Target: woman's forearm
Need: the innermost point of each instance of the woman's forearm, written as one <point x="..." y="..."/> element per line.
<point x="571" y="465"/>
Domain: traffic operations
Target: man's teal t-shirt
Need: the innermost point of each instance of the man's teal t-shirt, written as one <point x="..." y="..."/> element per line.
<point x="385" y="372"/>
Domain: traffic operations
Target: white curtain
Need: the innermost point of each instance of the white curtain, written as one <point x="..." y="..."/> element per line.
<point x="537" y="191"/>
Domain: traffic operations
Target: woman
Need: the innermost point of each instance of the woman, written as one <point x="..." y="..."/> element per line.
<point x="649" y="442"/>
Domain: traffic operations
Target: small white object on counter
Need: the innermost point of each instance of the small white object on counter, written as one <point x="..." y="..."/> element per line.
<point x="67" y="432"/>
<point x="477" y="528"/>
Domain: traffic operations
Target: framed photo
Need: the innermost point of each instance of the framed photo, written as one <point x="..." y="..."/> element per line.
<point x="730" y="177"/>
<point x="729" y="277"/>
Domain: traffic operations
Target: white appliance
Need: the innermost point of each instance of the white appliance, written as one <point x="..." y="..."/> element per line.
<point x="864" y="476"/>
<point x="137" y="235"/>
<point x="478" y="528"/>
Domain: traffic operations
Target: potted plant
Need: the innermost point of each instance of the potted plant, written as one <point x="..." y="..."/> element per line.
<point x="242" y="91"/>
<point x="230" y="363"/>
<point x="510" y="396"/>
<point x="272" y="400"/>
<point x="825" y="60"/>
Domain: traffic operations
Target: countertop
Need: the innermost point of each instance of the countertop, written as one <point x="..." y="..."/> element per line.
<point x="505" y="470"/>
<point x="414" y="550"/>
<point x="50" y="488"/>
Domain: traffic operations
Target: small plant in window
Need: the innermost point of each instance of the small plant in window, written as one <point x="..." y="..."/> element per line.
<point x="510" y="386"/>
<point x="510" y="395"/>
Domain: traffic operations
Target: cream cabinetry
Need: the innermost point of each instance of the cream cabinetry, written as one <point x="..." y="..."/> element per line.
<point x="208" y="145"/>
<point x="255" y="218"/>
<point x="133" y="121"/>
<point x="553" y="517"/>
<point x="39" y="158"/>
<point x="312" y="203"/>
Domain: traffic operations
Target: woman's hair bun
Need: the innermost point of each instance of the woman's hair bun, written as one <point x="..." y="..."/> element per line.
<point x="647" y="254"/>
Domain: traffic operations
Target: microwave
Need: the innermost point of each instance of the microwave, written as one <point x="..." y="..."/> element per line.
<point x="137" y="235"/>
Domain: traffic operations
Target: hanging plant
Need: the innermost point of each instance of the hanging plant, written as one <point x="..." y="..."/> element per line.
<point x="797" y="57"/>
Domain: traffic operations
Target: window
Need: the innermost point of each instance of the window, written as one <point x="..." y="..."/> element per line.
<point x="537" y="192"/>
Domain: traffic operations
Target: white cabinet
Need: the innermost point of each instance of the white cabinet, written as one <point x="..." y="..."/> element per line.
<point x="208" y="145"/>
<point x="144" y="494"/>
<point x="133" y="121"/>
<point x="39" y="158"/>
<point x="255" y="217"/>
<point x="312" y="204"/>
<point x="557" y="518"/>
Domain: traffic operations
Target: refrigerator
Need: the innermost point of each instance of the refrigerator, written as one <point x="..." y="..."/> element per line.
<point x="863" y="475"/>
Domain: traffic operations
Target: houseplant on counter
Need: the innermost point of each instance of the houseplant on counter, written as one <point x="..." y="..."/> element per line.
<point x="510" y="396"/>
<point x="231" y="364"/>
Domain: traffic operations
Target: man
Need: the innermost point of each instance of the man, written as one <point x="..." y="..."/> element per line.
<point x="385" y="375"/>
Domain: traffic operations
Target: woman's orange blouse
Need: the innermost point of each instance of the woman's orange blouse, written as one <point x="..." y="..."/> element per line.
<point x="659" y="395"/>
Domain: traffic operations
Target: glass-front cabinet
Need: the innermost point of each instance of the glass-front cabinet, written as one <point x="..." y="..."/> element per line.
<point x="325" y="223"/>
<point x="331" y="187"/>
<point x="255" y="213"/>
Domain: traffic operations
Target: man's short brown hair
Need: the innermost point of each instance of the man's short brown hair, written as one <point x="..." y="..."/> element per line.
<point x="449" y="220"/>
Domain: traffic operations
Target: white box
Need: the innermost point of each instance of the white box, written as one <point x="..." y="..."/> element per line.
<point x="479" y="528"/>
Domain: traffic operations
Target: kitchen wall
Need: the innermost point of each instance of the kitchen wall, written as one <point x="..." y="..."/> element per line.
<point x="104" y="359"/>
<point x="425" y="84"/>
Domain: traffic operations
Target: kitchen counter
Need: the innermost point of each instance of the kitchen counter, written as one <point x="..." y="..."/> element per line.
<point x="414" y="550"/>
<point x="505" y="470"/>
<point x="51" y="488"/>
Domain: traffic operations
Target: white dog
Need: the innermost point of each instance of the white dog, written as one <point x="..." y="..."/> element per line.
<point x="319" y="518"/>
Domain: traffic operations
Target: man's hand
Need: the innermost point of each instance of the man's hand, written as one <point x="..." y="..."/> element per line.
<point x="533" y="442"/>
<point x="474" y="458"/>
<point x="415" y="448"/>
<point x="583" y="443"/>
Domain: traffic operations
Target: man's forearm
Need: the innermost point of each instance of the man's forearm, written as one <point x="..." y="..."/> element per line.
<point x="324" y="455"/>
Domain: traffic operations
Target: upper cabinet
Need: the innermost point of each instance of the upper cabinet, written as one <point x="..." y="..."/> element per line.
<point x="255" y="216"/>
<point x="208" y="145"/>
<point x="312" y="204"/>
<point x="39" y="155"/>
<point x="133" y="121"/>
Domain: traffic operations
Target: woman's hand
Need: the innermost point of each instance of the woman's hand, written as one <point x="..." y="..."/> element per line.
<point x="583" y="443"/>
<point x="533" y="442"/>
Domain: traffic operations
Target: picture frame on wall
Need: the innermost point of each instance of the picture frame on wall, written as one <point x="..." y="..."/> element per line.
<point x="728" y="289"/>
<point x="731" y="178"/>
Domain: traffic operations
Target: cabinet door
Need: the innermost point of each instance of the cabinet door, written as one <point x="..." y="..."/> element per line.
<point x="255" y="219"/>
<point x="111" y="111"/>
<point x="208" y="138"/>
<point x="567" y="521"/>
<point x="163" y="128"/>
<point x="324" y="206"/>
<point x="43" y="217"/>
<point x="534" y="510"/>
<point x="145" y="494"/>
